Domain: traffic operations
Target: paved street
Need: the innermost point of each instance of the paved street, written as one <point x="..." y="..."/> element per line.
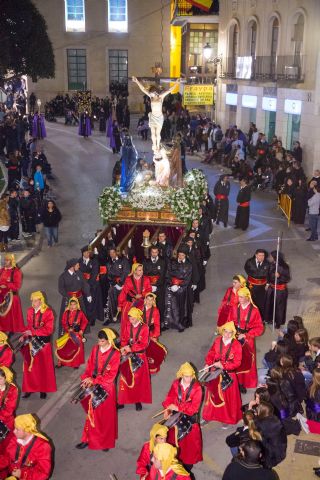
<point x="82" y="168"/>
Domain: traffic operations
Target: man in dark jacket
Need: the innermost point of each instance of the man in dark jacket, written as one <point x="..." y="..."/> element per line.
<point x="28" y="214"/>
<point x="247" y="466"/>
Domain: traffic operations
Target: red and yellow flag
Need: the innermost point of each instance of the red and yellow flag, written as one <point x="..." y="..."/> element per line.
<point x="203" y="4"/>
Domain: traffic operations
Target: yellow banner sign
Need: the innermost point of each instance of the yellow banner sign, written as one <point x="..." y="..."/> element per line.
<point x="198" y="95"/>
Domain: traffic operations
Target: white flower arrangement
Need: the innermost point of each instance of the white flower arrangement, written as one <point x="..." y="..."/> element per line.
<point x="110" y="202"/>
<point x="184" y="202"/>
<point x="148" y="198"/>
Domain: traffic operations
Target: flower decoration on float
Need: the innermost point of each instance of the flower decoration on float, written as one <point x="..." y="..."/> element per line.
<point x="84" y="101"/>
<point x="110" y="202"/>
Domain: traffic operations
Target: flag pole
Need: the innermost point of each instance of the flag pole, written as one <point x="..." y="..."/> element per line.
<point x="275" y="283"/>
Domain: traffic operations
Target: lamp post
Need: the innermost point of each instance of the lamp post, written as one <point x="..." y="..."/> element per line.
<point x="39" y="105"/>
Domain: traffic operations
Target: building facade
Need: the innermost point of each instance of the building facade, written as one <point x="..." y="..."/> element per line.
<point x="269" y="73"/>
<point x="97" y="42"/>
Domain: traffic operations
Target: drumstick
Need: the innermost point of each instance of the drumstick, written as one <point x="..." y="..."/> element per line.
<point x="159" y="413"/>
<point x="205" y="368"/>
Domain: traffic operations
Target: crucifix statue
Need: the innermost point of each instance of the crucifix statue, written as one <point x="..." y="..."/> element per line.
<point x="156" y="96"/>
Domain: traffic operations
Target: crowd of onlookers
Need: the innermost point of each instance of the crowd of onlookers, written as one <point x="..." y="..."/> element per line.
<point x="27" y="202"/>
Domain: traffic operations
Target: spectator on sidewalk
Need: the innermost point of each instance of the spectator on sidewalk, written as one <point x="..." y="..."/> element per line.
<point x="13" y="204"/>
<point x="4" y="223"/>
<point x="314" y="207"/>
<point x="247" y="466"/>
<point x="51" y="218"/>
<point x="28" y="214"/>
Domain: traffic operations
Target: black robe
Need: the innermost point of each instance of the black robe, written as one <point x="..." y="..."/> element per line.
<point x="94" y="308"/>
<point x="117" y="271"/>
<point x="68" y="283"/>
<point x="165" y="250"/>
<point x="258" y="292"/>
<point x="243" y="213"/>
<point x="222" y="204"/>
<point x="299" y="205"/>
<point x="157" y="269"/>
<point x="178" y="312"/>
<point x="281" y="297"/>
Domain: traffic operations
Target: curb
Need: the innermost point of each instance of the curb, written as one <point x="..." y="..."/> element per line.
<point x="33" y="252"/>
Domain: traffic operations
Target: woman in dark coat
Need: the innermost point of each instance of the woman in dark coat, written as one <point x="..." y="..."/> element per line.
<point x="287" y="390"/>
<point x="51" y="218"/>
<point x="299" y="203"/>
<point x="283" y="277"/>
<point x="274" y="438"/>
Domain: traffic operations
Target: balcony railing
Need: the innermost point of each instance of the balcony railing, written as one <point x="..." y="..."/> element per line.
<point x="288" y="68"/>
<point x="184" y="11"/>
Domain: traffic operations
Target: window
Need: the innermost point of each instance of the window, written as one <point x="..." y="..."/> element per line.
<point x="77" y="68"/>
<point x="253" y="38"/>
<point x="274" y="46"/>
<point x="118" y="66"/>
<point x="117" y="16"/>
<point x="75" y="18"/>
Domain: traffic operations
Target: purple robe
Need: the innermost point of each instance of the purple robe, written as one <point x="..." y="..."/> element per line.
<point x="38" y="127"/>
<point x="84" y="125"/>
<point x="109" y="127"/>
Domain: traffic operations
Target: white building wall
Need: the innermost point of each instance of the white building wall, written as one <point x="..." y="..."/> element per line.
<point x="308" y="91"/>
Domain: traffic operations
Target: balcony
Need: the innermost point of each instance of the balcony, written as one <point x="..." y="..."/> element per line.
<point x="286" y="68"/>
<point x="185" y="12"/>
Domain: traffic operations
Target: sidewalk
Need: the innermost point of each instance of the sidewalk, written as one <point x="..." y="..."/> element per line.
<point x="25" y="248"/>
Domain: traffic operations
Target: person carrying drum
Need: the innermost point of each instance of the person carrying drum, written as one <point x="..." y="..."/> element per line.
<point x="222" y="396"/>
<point x="134" y="382"/>
<point x="230" y="299"/>
<point x="29" y="452"/>
<point x="74" y="323"/>
<point x="158" y="434"/>
<point x="11" y="317"/>
<point x="9" y="396"/>
<point x="6" y="353"/>
<point x="166" y="466"/>
<point x="182" y="405"/>
<point x="248" y="322"/>
<point x="38" y="367"/>
<point x="98" y="383"/>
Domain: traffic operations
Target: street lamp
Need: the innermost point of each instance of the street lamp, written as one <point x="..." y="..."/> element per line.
<point x="207" y="51"/>
<point x="39" y="104"/>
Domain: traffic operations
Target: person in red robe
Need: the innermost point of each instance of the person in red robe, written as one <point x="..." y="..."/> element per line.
<point x="230" y="299"/>
<point x="6" y="353"/>
<point x="158" y="434"/>
<point x="247" y="319"/>
<point x="166" y="466"/>
<point x="29" y="453"/>
<point x="10" y="280"/>
<point x="225" y="353"/>
<point x="101" y="426"/>
<point x="8" y="403"/>
<point x="74" y="322"/>
<point x="38" y="370"/>
<point x="134" y="341"/>
<point x="151" y="315"/>
<point x="135" y="288"/>
<point x="185" y="397"/>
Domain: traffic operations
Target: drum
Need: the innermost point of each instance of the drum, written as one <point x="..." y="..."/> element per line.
<point x="6" y="297"/>
<point x="247" y="358"/>
<point x="181" y="422"/>
<point x="206" y="377"/>
<point x="36" y="345"/>
<point x="129" y="364"/>
<point x="156" y="354"/>
<point x="67" y="347"/>
<point x="31" y="346"/>
<point x="4" y="430"/>
<point x="99" y="394"/>
<point x="226" y="380"/>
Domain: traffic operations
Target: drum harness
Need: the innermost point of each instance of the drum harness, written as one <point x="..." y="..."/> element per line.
<point x="192" y="418"/>
<point x="26" y="453"/>
<point x="150" y="325"/>
<point x="245" y="329"/>
<point x="106" y="363"/>
<point x="43" y="338"/>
